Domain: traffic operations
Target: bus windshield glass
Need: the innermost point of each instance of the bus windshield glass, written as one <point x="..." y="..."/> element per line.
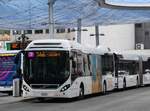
<point x="46" y="67"/>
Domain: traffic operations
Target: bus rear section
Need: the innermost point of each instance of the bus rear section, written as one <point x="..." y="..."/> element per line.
<point x="7" y="71"/>
<point x="145" y="70"/>
<point x="128" y="71"/>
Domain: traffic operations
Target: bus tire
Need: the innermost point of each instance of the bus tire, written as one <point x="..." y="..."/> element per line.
<point x="81" y="91"/>
<point x="124" y="84"/>
<point x="104" y="87"/>
<point x="137" y="82"/>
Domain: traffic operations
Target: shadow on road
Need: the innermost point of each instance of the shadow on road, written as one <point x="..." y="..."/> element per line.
<point x="62" y="100"/>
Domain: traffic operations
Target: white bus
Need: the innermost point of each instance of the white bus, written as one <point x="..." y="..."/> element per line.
<point x="65" y="69"/>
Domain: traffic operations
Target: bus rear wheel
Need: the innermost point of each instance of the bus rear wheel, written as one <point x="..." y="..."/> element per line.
<point x="81" y="92"/>
<point x="104" y="88"/>
<point x="124" y="84"/>
<point x="137" y="82"/>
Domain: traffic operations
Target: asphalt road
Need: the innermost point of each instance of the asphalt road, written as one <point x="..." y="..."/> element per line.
<point x="129" y="100"/>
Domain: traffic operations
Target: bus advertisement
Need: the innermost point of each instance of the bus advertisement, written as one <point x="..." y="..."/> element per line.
<point x="7" y="70"/>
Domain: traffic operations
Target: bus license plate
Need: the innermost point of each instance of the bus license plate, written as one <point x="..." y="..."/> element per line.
<point x="44" y="94"/>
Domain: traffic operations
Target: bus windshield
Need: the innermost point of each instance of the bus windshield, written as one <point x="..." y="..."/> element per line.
<point x="46" y="67"/>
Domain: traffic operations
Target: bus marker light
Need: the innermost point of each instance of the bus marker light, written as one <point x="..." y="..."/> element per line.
<point x="31" y="55"/>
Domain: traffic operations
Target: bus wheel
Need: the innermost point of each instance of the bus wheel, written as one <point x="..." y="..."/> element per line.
<point x="137" y="82"/>
<point x="104" y="88"/>
<point x="81" y="92"/>
<point x="124" y="84"/>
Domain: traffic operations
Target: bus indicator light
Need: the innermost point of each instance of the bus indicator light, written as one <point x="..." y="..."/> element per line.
<point x="31" y="55"/>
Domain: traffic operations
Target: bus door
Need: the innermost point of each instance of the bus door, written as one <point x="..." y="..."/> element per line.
<point x="108" y="71"/>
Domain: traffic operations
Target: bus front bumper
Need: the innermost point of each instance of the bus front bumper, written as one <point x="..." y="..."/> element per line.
<point x="47" y="93"/>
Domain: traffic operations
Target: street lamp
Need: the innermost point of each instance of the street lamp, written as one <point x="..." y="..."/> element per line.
<point x="51" y="18"/>
<point x="97" y="34"/>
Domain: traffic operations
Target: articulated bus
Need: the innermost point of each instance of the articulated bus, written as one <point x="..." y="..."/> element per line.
<point x="65" y="69"/>
<point x="7" y="70"/>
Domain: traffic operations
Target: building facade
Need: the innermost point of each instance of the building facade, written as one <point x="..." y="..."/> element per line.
<point x="116" y="37"/>
<point x="142" y="36"/>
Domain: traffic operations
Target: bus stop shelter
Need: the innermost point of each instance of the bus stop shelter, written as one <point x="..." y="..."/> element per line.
<point x="34" y="14"/>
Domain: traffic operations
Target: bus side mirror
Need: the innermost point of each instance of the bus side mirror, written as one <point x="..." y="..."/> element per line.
<point x="16" y="61"/>
<point x="73" y="64"/>
<point x="18" y="56"/>
<point x="18" y="71"/>
<point x="116" y="57"/>
<point x="148" y="60"/>
<point x="71" y="58"/>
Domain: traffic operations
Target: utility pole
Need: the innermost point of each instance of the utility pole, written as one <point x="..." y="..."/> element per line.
<point x="51" y="18"/>
<point x="79" y="31"/>
<point x="97" y="34"/>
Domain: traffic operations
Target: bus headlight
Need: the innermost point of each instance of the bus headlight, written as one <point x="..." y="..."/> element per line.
<point x="25" y="88"/>
<point x="65" y="88"/>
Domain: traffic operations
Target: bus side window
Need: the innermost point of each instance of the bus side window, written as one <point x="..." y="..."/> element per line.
<point x="74" y="66"/>
<point x="79" y="64"/>
<point x="107" y="64"/>
<point x="86" y="65"/>
<point x="89" y="65"/>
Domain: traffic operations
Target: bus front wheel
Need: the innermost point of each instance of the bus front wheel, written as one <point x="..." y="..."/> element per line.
<point x="104" y="88"/>
<point x="124" y="84"/>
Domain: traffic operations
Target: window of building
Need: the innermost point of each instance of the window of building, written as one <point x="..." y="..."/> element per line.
<point x="60" y="30"/>
<point x="16" y="32"/>
<point x="28" y="31"/>
<point x="47" y="31"/>
<point x="147" y="33"/>
<point x="69" y="30"/>
<point x="5" y="32"/>
<point x="139" y="25"/>
<point x="38" y="31"/>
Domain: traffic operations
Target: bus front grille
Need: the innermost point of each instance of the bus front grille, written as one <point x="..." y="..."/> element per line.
<point x="44" y="86"/>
